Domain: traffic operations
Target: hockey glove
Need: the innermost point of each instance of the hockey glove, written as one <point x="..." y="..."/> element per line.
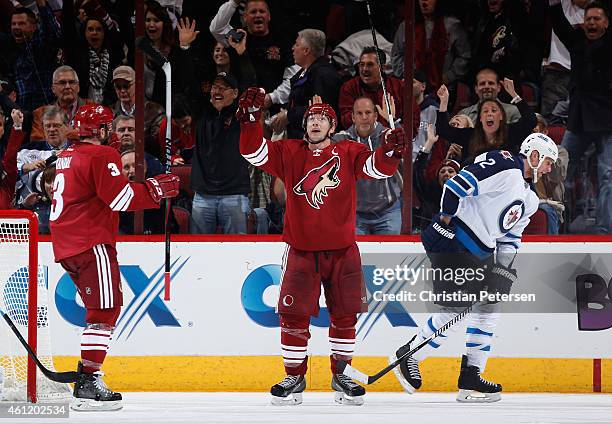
<point x="500" y="280"/>
<point x="250" y="104"/>
<point x="393" y="142"/>
<point x="163" y="186"/>
<point x="437" y="236"/>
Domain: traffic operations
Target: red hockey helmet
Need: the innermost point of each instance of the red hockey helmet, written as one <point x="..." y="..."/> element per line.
<point x="89" y="119"/>
<point x="321" y="109"/>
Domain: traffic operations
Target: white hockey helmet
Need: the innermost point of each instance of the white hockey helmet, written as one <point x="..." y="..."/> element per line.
<point x="544" y="145"/>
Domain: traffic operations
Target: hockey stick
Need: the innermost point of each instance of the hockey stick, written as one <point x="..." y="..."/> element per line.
<point x="357" y="375"/>
<point x="380" y="66"/>
<point x="60" y="377"/>
<point x="145" y="45"/>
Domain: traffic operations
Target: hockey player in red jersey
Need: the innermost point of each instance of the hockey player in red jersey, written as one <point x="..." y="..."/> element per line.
<point x="320" y="177"/>
<point x="89" y="191"/>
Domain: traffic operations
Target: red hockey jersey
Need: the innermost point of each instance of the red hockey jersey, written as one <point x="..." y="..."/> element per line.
<point x="89" y="191"/>
<point x="320" y="184"/>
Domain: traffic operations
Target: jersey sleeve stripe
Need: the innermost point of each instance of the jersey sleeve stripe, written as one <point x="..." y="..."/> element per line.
<point x="260" y="157"/>
<point x="459" y="179"/>
<point x="123" y="199"/>
<point x="456" y="188"/>
<point x="471" y="179"/>
<point x="369" y="168"/>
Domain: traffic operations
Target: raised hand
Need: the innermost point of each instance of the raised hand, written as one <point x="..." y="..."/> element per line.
<point x="509" y="87"/>
<point x="17" y="117"/>
<point x="443" y="95"/>
<point x="394" y="142"/>
<point x="241" y="46"/>
<point x="384" y="111"/>
<point x="250" y="104"/>
<point x="187" y="32"/>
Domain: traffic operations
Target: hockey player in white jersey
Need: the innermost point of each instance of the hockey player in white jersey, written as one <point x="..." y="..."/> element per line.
<point x="484" y="210"/>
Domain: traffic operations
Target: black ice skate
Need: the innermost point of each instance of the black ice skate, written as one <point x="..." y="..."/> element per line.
<point x="347" y="392"/>
<point x="407" y="372"/>
<point x="473" y="388"/>
<point x="91" y="394"/>
<point x="289" y="391"/>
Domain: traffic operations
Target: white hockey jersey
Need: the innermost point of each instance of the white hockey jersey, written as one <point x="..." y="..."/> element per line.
<point x="490" y="203"/>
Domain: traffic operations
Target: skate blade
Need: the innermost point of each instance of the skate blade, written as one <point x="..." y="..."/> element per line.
<point x="472" y="396"/>
<point x="292" y="399"/>
<point x="344" y="399"/>
<point x="398" y="374"/>
<point x="87" y="405"/>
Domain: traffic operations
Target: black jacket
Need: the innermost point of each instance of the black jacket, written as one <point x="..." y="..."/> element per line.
<point x="218" y="168"/>
<point x="517" y="132"/>
<point x="590" y="88"/>
<point x="321" y="79"/>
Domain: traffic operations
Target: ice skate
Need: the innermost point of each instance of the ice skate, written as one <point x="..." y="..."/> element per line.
<point x="347" y="392"/>
<point x="92" y="394"/>
<point x="473" y="388"/>
<point x="407" y="372"/>
<point x="289" y="391"/>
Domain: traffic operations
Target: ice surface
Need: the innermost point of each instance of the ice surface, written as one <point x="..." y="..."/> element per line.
<point x="319" y="408"/>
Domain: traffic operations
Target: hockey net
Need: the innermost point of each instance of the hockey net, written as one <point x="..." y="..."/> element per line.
<point x="23" y="297"/>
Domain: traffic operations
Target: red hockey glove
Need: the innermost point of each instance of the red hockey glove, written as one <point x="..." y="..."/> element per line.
<point x="163" y="186"/>
<point x="393" y="142"/>
<point x="250" y="104"/>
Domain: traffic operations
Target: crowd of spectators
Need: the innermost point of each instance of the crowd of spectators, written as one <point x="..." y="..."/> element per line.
<point x="486" y="74"/>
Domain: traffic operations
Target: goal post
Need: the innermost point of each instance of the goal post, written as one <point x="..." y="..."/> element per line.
<point x="24" y="298"/>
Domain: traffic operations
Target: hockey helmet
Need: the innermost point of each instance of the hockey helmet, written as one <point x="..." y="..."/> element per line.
<point x="544" y="145"/>
<point x="89" y="119"/>
<point x="321" y="109"/>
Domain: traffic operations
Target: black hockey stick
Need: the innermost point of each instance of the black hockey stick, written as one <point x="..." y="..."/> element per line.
<point x="146" y="46"/>
<point x="357" y="375"/>
<point x="60" y="377"/>
<point x="380" y="66"/>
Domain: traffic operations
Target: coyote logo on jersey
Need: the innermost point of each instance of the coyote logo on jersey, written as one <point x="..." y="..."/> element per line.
<point x="317" y="181"/>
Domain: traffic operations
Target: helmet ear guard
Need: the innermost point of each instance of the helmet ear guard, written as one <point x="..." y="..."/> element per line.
<point x="545" y="147"/>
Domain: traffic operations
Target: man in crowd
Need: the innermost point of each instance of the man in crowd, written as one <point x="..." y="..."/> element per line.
<point x="65" y="88"/>
<point x="378" y="201"/>
<point x="368" y="83"/>
<point x="488" y="87"/>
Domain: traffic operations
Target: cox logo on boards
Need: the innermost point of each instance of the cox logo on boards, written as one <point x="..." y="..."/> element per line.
<point x="262" y="284"/>
<point x="147" y="299"/>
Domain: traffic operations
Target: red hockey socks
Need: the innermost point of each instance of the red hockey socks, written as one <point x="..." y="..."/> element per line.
<point x="342" y="339"/>
<point x="294" y="343"/>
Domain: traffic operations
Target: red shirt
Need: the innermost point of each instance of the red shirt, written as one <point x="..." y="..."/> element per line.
<point x="89" y="191"/>
<point x="320" y="184"/>
<point x="354" y="88"/>
<point x="9" y="164"/>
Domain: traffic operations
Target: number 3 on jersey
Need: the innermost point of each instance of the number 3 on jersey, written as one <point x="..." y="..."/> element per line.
<point x="113" y="169"/>
<point x="57" y="205"/>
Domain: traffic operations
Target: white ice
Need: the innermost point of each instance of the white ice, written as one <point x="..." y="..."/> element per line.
<point x="319" y="408"/>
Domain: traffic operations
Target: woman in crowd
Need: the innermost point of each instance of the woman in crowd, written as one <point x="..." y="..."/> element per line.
<point x="490" y="131"/>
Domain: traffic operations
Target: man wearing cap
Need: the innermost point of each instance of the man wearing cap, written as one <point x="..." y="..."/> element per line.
<point x="219" y="174"/>
<point x="124" y="78"/>
<point x="65" y="88"/>
<point x="123" y="81"/>
<point x="368" y="84"/>
<point x="378" y="201"/>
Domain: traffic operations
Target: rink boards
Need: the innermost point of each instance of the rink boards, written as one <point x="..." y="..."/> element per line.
<point x="219" y="331"/>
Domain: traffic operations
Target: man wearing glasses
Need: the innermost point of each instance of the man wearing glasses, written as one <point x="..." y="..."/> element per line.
<point x="65" y="88"/>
